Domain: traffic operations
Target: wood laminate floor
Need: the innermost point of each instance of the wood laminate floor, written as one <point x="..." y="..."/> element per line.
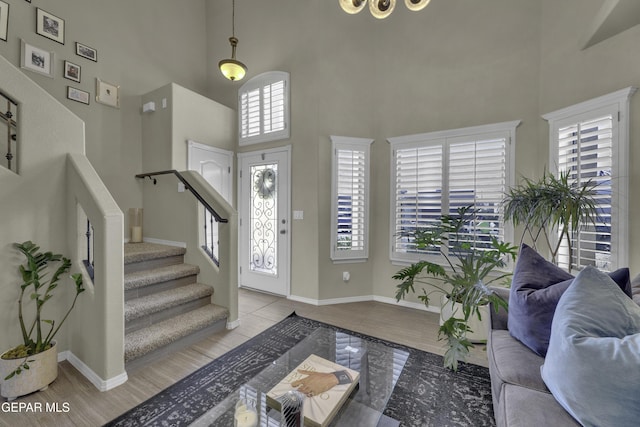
<point x="81" y="404"/>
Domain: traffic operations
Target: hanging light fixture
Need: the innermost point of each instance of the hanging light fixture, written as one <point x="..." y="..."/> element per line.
<point x="380" y="8"/>
<point x="232" y="68"/>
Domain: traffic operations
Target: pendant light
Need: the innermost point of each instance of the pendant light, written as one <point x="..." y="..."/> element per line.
<point x="380" y="8"/>
<point x="416" y="5"/>
<point x="232" y="68"/>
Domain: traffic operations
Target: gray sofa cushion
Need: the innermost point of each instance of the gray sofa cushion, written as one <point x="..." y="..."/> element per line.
<point x="523" y="407"/>
<point x="511" y="362"/>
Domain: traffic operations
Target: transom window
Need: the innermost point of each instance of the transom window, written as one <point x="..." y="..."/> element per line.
<point x="263" y="108"/>
<point x="436" y="173"/>
<point x="590" y="142"/>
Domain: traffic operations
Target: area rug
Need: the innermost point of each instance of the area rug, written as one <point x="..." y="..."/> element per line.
<point x="426" y="394"/>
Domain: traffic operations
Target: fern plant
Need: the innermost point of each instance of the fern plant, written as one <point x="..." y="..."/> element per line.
<point x="464" y="279"/>
<point x="35" y="336"/>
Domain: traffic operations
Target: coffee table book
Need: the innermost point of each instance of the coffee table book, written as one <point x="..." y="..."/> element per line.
<point x="318" y="410"/>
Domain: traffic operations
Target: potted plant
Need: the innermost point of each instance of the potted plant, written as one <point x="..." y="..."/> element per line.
<point x="463" y="281"/>
<point x="33" y="365"/>
<point x="552" y="205"/>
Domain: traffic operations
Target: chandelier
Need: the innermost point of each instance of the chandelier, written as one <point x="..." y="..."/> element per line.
<point x="380" y="8"/>
<point x="232" y="68"/>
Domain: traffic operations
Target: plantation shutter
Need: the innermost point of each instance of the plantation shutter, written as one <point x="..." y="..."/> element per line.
<point x="418" y="191"/>
<point x="350" y="198"/>
<point x="478" y="178"/>
<point x="273" y="107"/>
<point x="250" y="113"/>
<point x="585" y="149"/>
<point x="436" y="173"/>
<point x="263" y="108"/>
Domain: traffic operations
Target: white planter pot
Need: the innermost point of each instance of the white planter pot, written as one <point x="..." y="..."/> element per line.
<point x="480" y="328"/>
<point x="42" y="372"/>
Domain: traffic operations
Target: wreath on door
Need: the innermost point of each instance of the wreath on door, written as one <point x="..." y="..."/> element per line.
<point x="265" y="184"/>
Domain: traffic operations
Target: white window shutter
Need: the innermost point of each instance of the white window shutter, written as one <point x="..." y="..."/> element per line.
<point x="350" y="198"/>
<point x="590" y="140"/>
<point x="263" y="108"/>
<point x="438" y="172"/>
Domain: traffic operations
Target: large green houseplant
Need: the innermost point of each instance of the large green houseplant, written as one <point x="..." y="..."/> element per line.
<point x="41" y="274"/>
<point x="550" y="209"/>
<point x="464" y="279"/>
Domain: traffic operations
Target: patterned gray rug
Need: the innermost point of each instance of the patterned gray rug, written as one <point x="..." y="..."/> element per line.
<point x="425" y="395"/>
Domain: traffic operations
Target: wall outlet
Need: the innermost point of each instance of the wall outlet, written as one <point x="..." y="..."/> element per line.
<point x="346" y="276"/>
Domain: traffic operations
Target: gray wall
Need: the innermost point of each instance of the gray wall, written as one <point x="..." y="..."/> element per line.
<point x="141" y="46"/>
<point x="457" y="63"/>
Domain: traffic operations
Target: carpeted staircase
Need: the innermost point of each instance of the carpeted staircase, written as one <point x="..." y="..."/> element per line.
<point x="165" y="308"/>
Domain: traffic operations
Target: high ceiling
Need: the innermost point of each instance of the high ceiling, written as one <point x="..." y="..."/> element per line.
<point x="614" y="17"/>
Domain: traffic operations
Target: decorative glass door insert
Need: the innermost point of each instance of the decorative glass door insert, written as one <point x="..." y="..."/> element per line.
<point x="264" y="219"/>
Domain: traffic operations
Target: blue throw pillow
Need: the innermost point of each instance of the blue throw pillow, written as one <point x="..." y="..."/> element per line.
<point x="592" y="367"/>
<point x="536" y="288"/>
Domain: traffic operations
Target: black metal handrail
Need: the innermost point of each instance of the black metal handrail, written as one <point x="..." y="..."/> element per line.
<point x="188" y="186"/>
<point x="8" y="118"/>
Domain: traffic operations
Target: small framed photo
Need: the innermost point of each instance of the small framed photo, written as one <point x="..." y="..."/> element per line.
<point x="4" y="20"/>
<point x="107" y="93"/>
<point x="77" y="95"/>
<point x="71" y="71"/>
<point x="37" y="60"/>
<point x="50" y="26"/>
<point x="86" y="52"/>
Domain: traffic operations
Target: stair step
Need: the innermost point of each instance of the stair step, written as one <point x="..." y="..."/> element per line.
<point x="144" y="278"/>
<point x="146" y="340"/>
<point x="141" y="256"/>
<point x="154" y="303"/>
<point x="139" y="252"/>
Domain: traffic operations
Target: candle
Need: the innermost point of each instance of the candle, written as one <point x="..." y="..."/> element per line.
<point x="136" y="234"/>
<point x="246" y="419"/>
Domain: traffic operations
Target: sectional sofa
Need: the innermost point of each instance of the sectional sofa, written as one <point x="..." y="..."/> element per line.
<point x="520" y="395"/>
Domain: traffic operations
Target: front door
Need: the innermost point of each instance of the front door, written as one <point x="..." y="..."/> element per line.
<point x="263" y="199"/>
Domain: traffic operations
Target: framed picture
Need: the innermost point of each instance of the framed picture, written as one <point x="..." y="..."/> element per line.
<point x="50" y="26"/>
<point x="77" y="95"/>
<point x="71" y="71"/>
<point x="4" y="20"/>
<point x="37" y="60"/>
<point x="86" y="52"/>
<point x="107" y="93"/>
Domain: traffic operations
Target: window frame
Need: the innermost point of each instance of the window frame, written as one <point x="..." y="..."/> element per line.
<point x="349" y="144"/>
<point x="618" y="105"/>
<point x="505" y="130"/>
<point x="260" y="82"/>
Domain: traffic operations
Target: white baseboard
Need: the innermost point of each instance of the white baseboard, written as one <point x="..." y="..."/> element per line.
<point x="233" y="325"/>
<point x="363" y="298"/>
<point x="408" y="304"/>
<point x="99" y="383"/>
<point x="164" y="242"/>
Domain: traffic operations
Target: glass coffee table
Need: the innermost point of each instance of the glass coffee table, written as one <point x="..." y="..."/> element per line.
<point x="379" y="366"/>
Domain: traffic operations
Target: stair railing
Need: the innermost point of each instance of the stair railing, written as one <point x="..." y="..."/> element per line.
<point x="211" y="217"/>
<point x="221" y="273"/>
<point x="9" y="120"/>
